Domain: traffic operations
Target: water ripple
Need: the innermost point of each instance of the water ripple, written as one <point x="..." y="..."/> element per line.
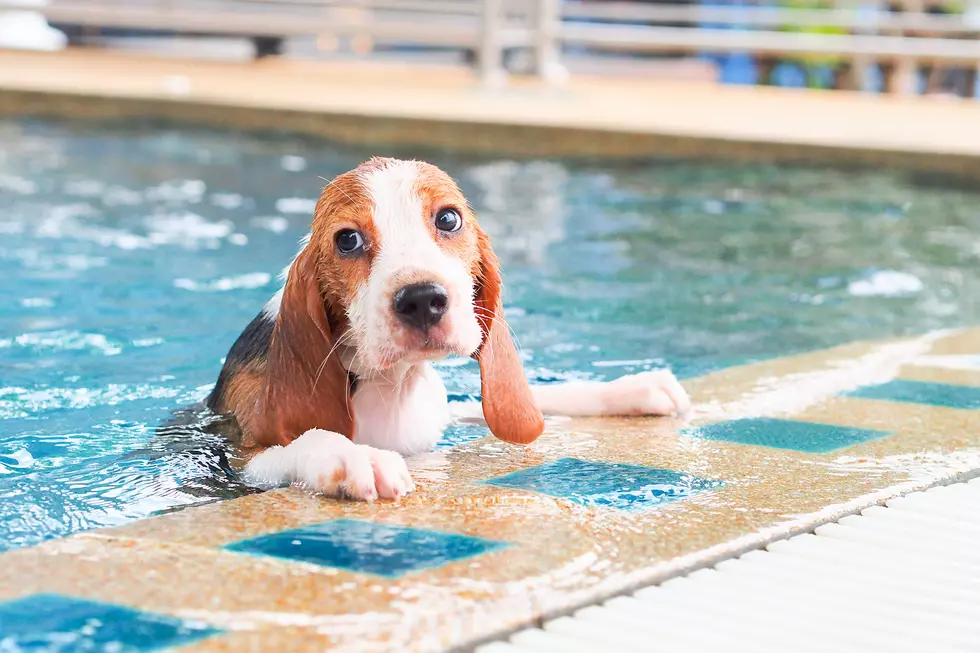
<point x="24" y="402"/>
<point x="63" y="340"/>
<point x="251" y="280"/>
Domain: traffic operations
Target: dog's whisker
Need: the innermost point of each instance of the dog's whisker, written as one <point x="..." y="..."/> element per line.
<point x="323" y="364"/>
<point x="487" y="313"/>
<point x="331" y="183"/>
<point x="347" y="388"/>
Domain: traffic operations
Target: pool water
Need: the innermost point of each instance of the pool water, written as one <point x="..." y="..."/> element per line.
<point x="132" y="255"/>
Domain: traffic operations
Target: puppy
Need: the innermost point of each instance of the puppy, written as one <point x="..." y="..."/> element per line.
<point x="331" y="384"/>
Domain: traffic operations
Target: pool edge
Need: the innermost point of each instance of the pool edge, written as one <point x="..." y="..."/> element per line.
<point x="526" y="120"/>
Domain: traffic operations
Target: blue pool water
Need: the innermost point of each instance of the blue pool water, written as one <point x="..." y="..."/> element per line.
<point x="132" y="255"/>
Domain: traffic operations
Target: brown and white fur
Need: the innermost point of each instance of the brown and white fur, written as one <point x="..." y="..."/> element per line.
<point x="331" y="384"/>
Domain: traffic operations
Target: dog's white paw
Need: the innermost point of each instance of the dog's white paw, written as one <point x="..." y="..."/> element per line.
<point x="330" y="463"/>
<point x="647" y="393"/>
<point x="391" y="477"/>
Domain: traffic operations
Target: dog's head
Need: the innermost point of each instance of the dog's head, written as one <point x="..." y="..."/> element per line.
<point x="396" y="271"/>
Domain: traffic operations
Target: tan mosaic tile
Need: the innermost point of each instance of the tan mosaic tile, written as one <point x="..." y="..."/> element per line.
<point x="940" y="375"/>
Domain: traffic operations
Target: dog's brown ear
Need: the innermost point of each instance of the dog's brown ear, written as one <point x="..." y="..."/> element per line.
<point x="508" y="405"/>
<point x="308" y="385"/>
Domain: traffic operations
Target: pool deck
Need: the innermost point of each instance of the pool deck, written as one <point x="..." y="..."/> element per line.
<point x="499" y="537"/>
<point x="413" y="105"/>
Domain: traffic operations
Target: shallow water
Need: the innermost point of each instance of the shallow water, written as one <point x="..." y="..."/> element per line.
<point x="131" y="257"/>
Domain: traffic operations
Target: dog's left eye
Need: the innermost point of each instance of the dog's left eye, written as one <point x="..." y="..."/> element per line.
<point x="448" y="220"/>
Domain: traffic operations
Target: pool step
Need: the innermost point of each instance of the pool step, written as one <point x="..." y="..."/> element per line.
<point x="905" y="577"/>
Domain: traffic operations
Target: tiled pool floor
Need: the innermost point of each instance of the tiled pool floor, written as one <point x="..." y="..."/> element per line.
<point x="498" y="536"/>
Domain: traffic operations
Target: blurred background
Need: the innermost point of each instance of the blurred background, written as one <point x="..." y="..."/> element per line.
<point x="909" y="47"/>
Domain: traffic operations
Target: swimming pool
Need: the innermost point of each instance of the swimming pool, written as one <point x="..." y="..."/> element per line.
<point x="132" y="255"/>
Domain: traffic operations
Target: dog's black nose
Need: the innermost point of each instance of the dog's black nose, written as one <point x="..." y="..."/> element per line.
<point x="421" y="305"/>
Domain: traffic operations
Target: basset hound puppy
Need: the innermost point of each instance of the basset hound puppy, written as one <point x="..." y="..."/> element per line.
<point x="331" y="384"/>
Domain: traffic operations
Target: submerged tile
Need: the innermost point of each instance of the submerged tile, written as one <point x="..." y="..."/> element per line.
<point x="613" y="485"/>
<point x="53" y="622"/>
<point x="367" y="547"/>
<point x="922" y="392"/>
<point x="806" y="437"/>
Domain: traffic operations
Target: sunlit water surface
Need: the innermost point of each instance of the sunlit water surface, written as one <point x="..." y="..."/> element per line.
<point x="132" y="256"/>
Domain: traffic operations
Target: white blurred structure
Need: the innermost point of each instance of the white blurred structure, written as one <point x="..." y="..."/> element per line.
<point x="24" y="29"/>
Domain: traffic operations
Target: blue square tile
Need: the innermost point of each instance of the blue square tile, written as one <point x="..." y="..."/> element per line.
<point x="612" y="485"/>
<point x="367" y="547"/>
<point x="806" y="437"/>
<point x="921" y="392"/>
<point x="52" y="622"/>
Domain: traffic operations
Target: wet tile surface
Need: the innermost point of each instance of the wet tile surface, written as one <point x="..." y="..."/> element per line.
<point x="366" y="547"/>
<point x="807" y="437"/>
<point x="919" y="392"/>
<point x="386" y="579"/>
<point x="51" y="622"/>
<point x="606" y="485"/>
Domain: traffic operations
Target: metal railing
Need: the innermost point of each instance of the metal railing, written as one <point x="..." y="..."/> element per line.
<point x="861" y="31"/>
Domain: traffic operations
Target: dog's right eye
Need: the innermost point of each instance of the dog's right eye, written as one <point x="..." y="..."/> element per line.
<point x="349" y="241"/>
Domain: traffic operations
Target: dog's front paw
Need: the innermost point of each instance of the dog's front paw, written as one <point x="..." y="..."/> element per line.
<point x="330" y="463"/>
<point x="391" y="477"/>
<point x="648" y="393"/>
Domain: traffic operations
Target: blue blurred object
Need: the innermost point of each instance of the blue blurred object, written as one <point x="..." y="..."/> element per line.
<point x="794" y="74"/>
<point x="789" y="74"/>
<point x="737" y="67"/>
<point x="874" y="80"/>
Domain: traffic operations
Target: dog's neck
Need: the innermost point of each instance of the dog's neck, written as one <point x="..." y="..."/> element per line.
<point x="403" y="408"/>
<point x="393" y="375"/>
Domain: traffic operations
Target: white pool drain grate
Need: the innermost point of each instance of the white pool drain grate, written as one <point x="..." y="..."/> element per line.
<point x="905" y="577"/>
